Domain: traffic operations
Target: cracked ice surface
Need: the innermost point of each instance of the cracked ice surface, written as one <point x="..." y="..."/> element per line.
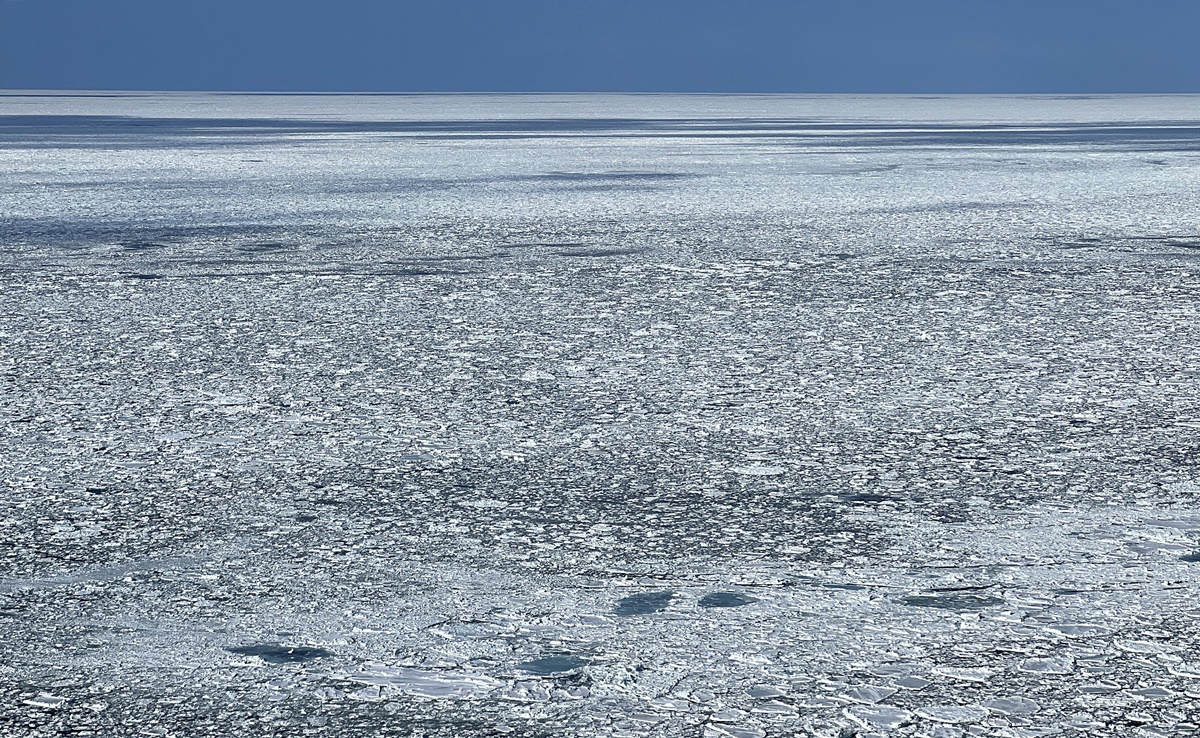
<point x="599" y="415"/>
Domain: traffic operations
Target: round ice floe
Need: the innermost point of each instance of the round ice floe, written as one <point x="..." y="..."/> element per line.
<point x="1185" y="670"/>
<point x="775" y="708"/>
<point x="765" y="691"/>
<point x="1145" y="647"/>
<point x="981" y="674"/>
<point x="1012" y="705"/>
<point x="440" y="684"/>
<point x="1055" y="665"/>
<point x="537" y="375"/>
<point x="1152" y="693"/>
<point x="878" y="716"/>
<point x="1080" y="630"/>
<point x="759" y="470"/>
<point x="715" y="730"/>
<point x="954" y="714"/>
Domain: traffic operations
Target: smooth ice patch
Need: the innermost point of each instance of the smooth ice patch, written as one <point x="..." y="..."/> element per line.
<point x="420" y="683"/>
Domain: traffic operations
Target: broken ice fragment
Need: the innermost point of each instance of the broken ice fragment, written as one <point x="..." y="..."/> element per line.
<point x="644" y="603"/>
<point x="46" y="701"/>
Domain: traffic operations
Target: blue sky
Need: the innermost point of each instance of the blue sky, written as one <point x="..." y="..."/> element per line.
<point x="1042" y="46"/>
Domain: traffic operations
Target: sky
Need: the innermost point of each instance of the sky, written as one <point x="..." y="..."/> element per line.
<point x="873" y="46"/>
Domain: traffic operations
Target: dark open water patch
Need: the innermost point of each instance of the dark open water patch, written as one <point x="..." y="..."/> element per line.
<point x="644" y="603"/>
<point x="726" y="599"/>
<point x="958" y="601"/>
<point x="592" y="253"/>
<point x="1192" y="557"/>
<point x="274" y="653"/>
<point x="550" y="665"/>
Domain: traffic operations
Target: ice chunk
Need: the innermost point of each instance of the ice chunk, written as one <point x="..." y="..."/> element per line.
<point x="718" y="730"/>
<point x="1012" y="705"/>
<point x="868" y="695"/>
<point x="1152" y="693"/>
<point x="1080" y="630"/>
<point x="980" y="674"/>
<point x="46" y="701"/>
<point x="1052" y="665"/>
<point x="759" y="470"/>
<point x="537" y="375"/>
<point x="1145" y="647"/>
<point x="417" y="682"/>
<point x="775" y="708"/>
<point x="765" y="691"/>
<point x="953" y="714"/>
<point x="913" y="682"/>
<point x="878" y="716"/>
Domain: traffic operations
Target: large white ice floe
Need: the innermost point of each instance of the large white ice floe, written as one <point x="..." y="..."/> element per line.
<point x="422" y="683"/>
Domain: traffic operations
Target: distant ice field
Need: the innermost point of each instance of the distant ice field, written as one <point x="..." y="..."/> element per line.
<point x="599" y="415"/>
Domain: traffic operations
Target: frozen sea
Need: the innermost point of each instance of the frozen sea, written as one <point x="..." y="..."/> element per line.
<point x="555" y="415"/>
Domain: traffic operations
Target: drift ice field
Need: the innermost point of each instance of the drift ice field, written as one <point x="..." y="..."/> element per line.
<point x="558" y="415"/>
